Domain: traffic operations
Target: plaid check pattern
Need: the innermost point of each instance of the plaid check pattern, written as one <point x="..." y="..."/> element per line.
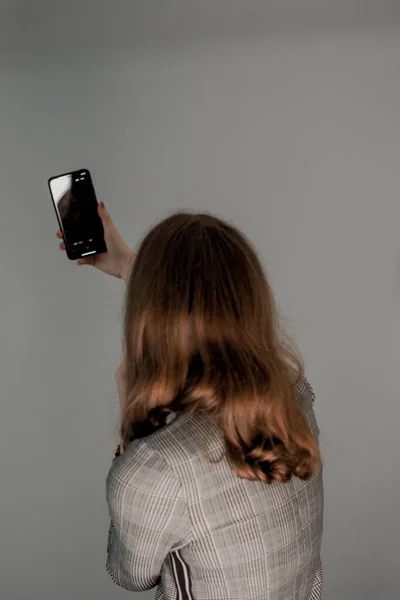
<point x="187" y="525"/>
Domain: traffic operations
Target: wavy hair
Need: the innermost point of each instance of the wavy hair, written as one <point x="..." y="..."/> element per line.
<point x="201" y="333"/>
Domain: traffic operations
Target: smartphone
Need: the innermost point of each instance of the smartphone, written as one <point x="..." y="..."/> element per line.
<point x="76" y="208"/>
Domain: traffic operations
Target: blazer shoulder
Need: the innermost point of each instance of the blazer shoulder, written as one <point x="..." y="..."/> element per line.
<point x="306" y="397"/>
<point x="305" y="390"/>
<point x="141" y="465"/>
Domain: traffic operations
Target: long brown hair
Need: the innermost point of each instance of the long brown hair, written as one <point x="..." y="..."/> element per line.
<point x="202" y="334"/>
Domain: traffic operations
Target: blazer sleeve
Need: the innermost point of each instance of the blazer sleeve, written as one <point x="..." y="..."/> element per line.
<point x="149" y="517"/>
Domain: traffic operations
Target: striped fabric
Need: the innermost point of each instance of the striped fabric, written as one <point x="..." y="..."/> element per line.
<point x="182" y="577"/>
<point x="187" y="525"/>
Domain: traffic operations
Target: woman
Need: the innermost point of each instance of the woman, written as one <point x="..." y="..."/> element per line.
<point x="218" y="491"/>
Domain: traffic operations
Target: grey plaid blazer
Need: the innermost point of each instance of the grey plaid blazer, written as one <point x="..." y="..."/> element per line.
<point x="198" y="532"/>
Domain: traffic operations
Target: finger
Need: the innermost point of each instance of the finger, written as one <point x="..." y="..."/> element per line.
<point x="62" y="246"/>
<point x="59" y="235"/>
<point x="90" y="260"/>
<point x="103" y="213"/>
<point x="105" y="217"/>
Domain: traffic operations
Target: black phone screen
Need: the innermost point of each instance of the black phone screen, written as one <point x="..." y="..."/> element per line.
<point x="76" y="206"/>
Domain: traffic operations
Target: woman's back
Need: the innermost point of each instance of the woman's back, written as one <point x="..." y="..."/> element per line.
<point x="228" y="538"/>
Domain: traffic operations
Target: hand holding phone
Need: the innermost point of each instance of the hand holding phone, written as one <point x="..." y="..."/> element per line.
<point x="118" y="260"/>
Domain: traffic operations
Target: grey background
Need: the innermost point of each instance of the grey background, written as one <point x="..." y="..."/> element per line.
<point x="280" y="116"/>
